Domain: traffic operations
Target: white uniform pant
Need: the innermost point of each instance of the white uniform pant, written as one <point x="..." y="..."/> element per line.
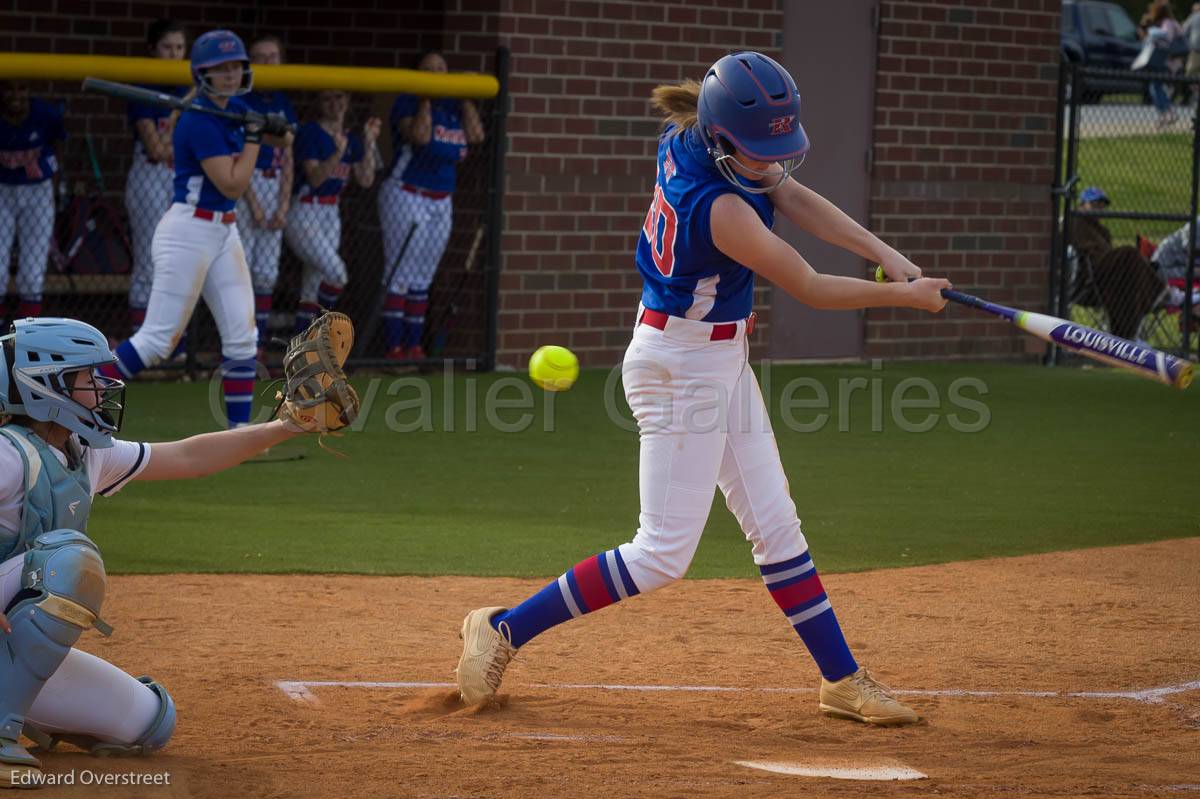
<point x="195" y="258"/>
<point x="412" y="267"/>
<point x="314" y="233"/>
<point x="148" y="191"/>
<point x="262" y="246"/>
<point x="27" y="212"/>
<point x="703" y="425"/>
<point x="86" y="695"/>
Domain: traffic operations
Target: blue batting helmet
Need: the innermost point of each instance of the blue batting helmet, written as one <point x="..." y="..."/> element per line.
<point x="749" y="103"/>
<point x="36" y="359"/>
<point x="220" y="47"/>
<point x="1094" y="194"/>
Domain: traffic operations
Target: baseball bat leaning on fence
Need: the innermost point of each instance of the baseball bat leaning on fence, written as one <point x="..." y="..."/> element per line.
<point x="273" y="124"/>
<point x="1106" y="348"/>
<point x="372" y="325"/>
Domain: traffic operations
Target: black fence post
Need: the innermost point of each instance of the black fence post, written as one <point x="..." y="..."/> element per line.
<point x="1188" y="310"/>
<point x="496" y="207"/>
<point x="1057" y="191"/>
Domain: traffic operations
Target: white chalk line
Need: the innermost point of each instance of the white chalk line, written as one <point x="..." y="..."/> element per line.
<point x="876" y="773"/>
<point x="299" y="690"/>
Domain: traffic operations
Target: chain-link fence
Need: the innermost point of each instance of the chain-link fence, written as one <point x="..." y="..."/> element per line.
<point x="1126" y="206"/>
<point x="399" y="231"/>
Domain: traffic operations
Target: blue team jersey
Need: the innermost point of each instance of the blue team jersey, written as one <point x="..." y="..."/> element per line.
<point x="26" y="154"/>
<point x="155" y="113"/>
<point x="265" y="103"/>
<point x="684" y="273"/>
<point x="200" y="136"/>
<point x="314" y="144"/>
<point x="431" y="166"/>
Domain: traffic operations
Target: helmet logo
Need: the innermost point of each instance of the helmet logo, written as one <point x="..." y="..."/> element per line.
<point x="781" y="125"/>
<point x="227" y="45"/>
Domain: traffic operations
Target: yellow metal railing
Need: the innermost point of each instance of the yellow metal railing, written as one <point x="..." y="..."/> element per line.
<point x="155" y="71"/>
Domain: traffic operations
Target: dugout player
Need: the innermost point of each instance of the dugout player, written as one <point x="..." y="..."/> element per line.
<point x="327" y="153"/>
<point x="263" y="210"/>
<point x="429" y="139"/>
<point x="196" y="249"/>
<point x="149" y="185"/>
<point x="57" y="452"/>
<point x="724" y="164"/>
<point x="30" y="131"/>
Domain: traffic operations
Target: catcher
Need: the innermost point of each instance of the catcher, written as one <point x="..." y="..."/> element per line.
<point x="57" y="452"/>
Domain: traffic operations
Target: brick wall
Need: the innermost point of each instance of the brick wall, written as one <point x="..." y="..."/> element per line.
<point x="963" y="160"/>
<point x="581" y="157"/>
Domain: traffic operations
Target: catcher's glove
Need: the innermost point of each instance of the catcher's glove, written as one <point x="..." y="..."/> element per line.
<point x="316" y="396"/>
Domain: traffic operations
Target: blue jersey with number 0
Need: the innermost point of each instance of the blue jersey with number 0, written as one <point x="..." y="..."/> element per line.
<point x="198" y="137"/>
<point x="684" y="273"/>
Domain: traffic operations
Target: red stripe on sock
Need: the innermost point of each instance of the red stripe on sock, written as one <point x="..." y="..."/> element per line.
<point x="237" y="386"/>
<point x="591" y="584"/>
<point x="395" y="302"/>
<point x="262" y="302"/>
<point x="798" y="593"/>
<point x="110" y="370"/>
<point x="29" y="309"/>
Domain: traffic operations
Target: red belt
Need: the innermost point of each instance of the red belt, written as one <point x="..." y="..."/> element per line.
<point x="433" y="195"/>
<point x="268" y="173"/>
<point x="328" y="199"/>
<point x="720" y="332"/>
<point x="227" y="218"/>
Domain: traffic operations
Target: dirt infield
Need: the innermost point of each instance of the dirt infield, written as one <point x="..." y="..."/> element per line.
<point x="1040" y="633"/>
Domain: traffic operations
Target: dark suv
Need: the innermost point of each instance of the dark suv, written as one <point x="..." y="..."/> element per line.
<point x="1100" y="34"/>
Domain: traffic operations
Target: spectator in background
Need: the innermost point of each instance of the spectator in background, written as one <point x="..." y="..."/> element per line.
<point x="150" y="184"/>
<point x="429" y="138"/>
<point x="1191" y="29"/>
<point x="327" y="153"/>
<point x="1116" y="278"/>
<point x="263" y="211"/>
<point x="29" y="134"/>
<point x="1170" y="258"/>
<point x="1153" y="58"/>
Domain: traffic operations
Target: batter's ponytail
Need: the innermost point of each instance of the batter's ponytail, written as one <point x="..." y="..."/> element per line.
<point x="677" y="102"/>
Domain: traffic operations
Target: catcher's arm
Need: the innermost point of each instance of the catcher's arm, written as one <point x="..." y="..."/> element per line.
<point x="209" y="453"/>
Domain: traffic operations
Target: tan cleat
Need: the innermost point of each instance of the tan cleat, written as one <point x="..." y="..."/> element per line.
<point x="863" y="698"/>
<point x="486" y="654"/>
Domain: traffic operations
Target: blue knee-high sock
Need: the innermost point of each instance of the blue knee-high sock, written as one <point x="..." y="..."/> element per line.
<point x="327" y="295"/>
<point x="129" y="363"/>
<point x="415" y="305"/>
<point x="393" y="320"/>
<point x="262" y="316"/>
<point x="237" y="379"/>
<point x="590" y="585"/>
<point x="305" y="314"/>
<point x="796" y="588"/>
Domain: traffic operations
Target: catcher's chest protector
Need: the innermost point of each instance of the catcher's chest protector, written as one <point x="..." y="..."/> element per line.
<point x="56" y="497"/>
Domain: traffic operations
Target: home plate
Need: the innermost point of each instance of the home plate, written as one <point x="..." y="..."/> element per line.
<point x="879" y="773"/>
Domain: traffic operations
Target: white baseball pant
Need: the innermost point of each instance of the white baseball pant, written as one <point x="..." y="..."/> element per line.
<point x="196" y="258"/>
<point x="398" y="211"/>
<point x="262" y="246"/>
<point x="314" y="233"/>
<point x="27" y="212"/>
<point x="702" y="425"/>
<point x="148" y="191"/>
<point x="86" y="695"/>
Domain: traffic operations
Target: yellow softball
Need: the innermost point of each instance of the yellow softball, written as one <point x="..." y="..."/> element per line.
<point x="554" y="368"/>
<point x="880" y="277"/>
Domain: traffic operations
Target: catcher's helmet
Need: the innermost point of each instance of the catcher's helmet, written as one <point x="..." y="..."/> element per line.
<point x="220" y="47"/>
<point x="36" y="359"/>
<point x="749" y="103"/>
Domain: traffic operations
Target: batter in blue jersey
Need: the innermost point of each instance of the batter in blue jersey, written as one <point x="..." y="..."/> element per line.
<point x="724" y="166"/>
<point x="30" y="131"/>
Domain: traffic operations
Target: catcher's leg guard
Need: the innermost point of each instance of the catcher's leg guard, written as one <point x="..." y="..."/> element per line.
<point x="154" y="738"/>
<point x="62" y="590"/>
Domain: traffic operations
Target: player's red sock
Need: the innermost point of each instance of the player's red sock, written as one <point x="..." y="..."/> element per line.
<point x="29" y="308"/>
<point x="327" y="295"/>
<point x="796" y="588"/>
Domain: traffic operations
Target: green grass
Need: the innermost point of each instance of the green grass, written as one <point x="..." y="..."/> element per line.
<point x="1140" y="173"/>
<point x="1070" y="458"/>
